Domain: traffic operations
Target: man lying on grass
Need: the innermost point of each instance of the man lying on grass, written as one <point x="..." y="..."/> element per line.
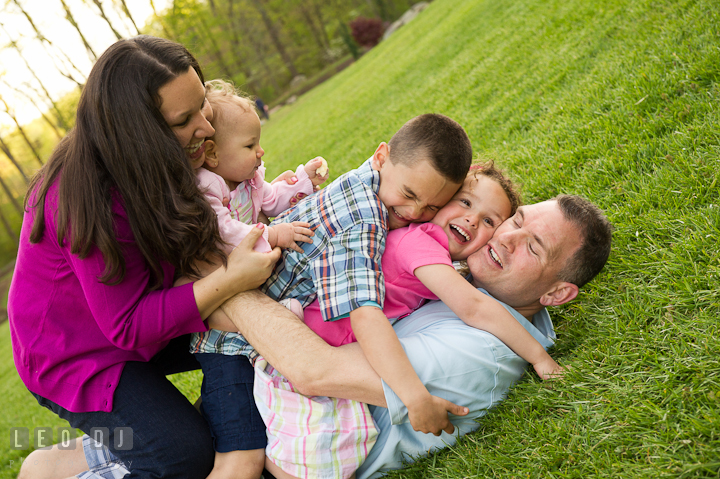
<point x="537" y="258"/>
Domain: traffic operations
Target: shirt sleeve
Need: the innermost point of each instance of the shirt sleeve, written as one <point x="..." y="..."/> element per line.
<point x="422" y="245"/>
<point x="347" y="274"/>
<point x="464" y="365"/>
<point x="129" y="315"/>
<point x="276" y="197"/>
<point x="232" y="231"/>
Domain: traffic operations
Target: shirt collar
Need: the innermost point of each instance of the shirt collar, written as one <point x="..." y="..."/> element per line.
<point x="541" y="327"/>
<point x="369" y="175"/>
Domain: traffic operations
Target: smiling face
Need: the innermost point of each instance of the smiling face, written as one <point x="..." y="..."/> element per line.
<point x="472" y="215"/>
<point x="183" y="105"/>
<point x="411" y="193"/>
<point x="238" y="154"/>
<point x="521" y="262"/>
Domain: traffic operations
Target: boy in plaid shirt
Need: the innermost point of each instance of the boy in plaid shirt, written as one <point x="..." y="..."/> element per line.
<point x="407" y="180"/>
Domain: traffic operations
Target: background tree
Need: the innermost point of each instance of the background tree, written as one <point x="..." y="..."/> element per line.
<point x="260" y="45"/>
<point x="42" y="109"/>
<point x="102" y="14"/>
<point x="71" y="19"/>
<point x="6" y="149"/>
<point x="76" y="75"/>
<point x="124" y="8"/>
<point x="11" y="113"/>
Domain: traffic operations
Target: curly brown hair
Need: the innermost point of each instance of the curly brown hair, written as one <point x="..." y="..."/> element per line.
<point x="488" y="169"/>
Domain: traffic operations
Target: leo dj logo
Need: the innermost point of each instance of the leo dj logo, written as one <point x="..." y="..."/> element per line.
<point x="122" y="438"/>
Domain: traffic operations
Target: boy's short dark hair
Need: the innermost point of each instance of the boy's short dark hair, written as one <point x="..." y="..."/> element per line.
<point x="596" y="233"/>
<point x="442" y="139"/>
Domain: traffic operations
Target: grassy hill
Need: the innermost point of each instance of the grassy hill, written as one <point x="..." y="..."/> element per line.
<point x="613" y="100"/>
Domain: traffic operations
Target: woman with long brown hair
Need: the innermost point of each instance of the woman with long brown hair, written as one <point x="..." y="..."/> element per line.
<point x="110" y="220"/>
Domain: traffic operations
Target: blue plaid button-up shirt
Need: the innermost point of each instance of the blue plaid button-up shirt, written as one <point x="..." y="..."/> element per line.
<point x="342" y="264"/>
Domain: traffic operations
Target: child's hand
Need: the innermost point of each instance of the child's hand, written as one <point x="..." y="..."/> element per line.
<point x="429" y="414"/>
<point x="286" y="235"/>
<point x="317" y="171"/>
<point x="549" y="369"/>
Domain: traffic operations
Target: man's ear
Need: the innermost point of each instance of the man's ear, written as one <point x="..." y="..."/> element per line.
<point x="211" y="159"/>
<point x="381" y="156"/>
<point x="562" y="293"/>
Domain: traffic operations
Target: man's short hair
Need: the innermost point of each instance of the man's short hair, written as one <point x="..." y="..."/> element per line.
<point x="442" y="139"/>
<point x="596" y="235"/>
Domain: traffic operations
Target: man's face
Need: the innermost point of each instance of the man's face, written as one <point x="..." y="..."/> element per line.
<point x="521" y="262"/>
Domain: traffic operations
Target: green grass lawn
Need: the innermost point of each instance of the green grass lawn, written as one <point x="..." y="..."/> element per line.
<point x="613" y="100"/>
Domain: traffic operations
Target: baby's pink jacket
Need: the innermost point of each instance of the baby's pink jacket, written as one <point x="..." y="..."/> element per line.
<point x="270" y="199"/>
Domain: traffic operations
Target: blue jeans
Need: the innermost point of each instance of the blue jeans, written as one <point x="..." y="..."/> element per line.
<point x="228" y="404"/>
<point x="170" y="438"/>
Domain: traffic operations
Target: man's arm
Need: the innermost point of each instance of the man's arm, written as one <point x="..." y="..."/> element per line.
<point x="314" y="367"/>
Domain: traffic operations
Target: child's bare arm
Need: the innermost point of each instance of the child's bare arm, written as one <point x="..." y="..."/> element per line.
<point x="385" y="354"/>
<point x="286" y="235"/>
<point x="482" y="312"/>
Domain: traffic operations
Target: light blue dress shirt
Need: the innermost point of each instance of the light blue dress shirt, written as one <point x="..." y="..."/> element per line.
<point x="462" y="364"/>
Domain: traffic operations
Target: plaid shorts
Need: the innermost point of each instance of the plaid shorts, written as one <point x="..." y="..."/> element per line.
<point x="311" y="436"/>
<point x="103" y="463"/>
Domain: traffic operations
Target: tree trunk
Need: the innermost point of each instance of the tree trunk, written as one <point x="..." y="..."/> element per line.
<point x="235" y="44"/>
<point x="213" y="8"/>
<point x="168" y="32"/>
<point x="58" y="114"/>
<point x="132" y="20"/>
<point x="10" y="195"/>
<point x="373" y="6"/>
<point x="11" y="157"/>
<point x="22" y="132"/>
<point x="9" y="229"/>
<point x="321" y="20"/>
<point x="259" y="49"/>
<point x="107" y="20"/>
<point x="214" y="50"/>
<point x="316" y="34"/>
<point x="275" y="37"/>
<point x="60" y="118"/>
<point x="69" y="17"/>
<point x="47" y="43"/>
<point x="42" y="112"/>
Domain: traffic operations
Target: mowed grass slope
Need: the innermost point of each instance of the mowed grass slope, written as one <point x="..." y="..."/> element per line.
<point x="616" y="101"/>
<point x="613" y="100"/>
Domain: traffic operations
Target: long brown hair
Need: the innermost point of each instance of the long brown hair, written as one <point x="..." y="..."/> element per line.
<point x="122" y="149"/>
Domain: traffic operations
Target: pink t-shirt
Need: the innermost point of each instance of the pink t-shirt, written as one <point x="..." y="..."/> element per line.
<point x="406" y="249"/>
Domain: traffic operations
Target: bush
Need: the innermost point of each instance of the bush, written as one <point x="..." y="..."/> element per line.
<point x="367" y="31"/>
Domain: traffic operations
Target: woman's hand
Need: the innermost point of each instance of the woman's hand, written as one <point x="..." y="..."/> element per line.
<point x="286" y="176"/>
<point x="246" y="269"/>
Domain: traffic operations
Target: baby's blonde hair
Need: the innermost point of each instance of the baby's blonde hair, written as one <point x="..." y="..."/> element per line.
<point x="222" y="95"/>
